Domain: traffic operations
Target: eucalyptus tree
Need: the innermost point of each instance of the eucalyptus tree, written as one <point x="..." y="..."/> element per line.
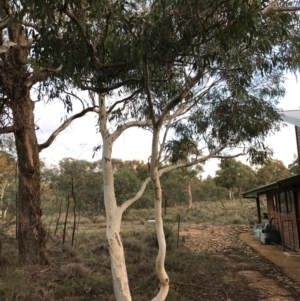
<point x="272" y="170"/>
<point x="235" y="175"/>
<point x="29" y="39"/>
<point x="207" y="190"/>
<point x="206" y="71"/>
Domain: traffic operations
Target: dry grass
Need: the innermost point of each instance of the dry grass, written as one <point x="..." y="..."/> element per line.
<point x="83" y="273"/>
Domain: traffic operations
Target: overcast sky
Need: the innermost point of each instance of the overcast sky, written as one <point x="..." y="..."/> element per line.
<point x="79" y="139"/>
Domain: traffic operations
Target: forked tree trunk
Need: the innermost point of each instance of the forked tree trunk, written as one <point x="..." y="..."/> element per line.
<point x="113" y="213"/>
<point x="113" y="222"/>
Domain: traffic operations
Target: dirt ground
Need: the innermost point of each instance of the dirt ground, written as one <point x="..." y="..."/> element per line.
<point x="273" y="279"/>
<point x="208" y="263"/>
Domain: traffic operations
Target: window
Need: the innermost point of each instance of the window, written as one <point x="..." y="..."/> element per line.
<point x="290" y="201"/>
<point x="282" y="202"/>
<point x="275" y="202"/>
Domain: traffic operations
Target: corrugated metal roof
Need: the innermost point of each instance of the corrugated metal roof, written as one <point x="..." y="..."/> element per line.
<point x="275" y="185"/>
<point x="292" y="117"/>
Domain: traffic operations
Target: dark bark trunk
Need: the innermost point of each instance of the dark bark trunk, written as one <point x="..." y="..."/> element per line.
<point x="31" y="236"/>
<point x="66" y="219"/>
<point x="74" y="212"/>
<point x="58" y="218"/>
<point x="77" y="228"/>
<point x="49" y="228"/>
<point x="16" y="200"/>
<point x="30" y="233"/>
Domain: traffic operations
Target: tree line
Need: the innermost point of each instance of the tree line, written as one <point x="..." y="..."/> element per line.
<point x="74" y="184"/>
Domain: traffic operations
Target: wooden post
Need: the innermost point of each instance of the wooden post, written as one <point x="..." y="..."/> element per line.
<point x="178" y="220"/>
<point x="258" y="209"/>
<point x="297" y="130"/>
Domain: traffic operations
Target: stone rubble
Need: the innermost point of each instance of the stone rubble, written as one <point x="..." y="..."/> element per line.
<point x="216" y="239"/>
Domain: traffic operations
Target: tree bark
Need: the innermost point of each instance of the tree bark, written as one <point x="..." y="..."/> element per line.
<point x="113" y="213"/>
<point x="1" y="199"/>
<point x="58" y="218"/>
<point x="30" y="233"/>
<point x="160" y="259"/>
<point x="66" y="219"/>
<point x="190" y="200"/>
<point x="31" y="236"/>
<point x="74" y="211"/>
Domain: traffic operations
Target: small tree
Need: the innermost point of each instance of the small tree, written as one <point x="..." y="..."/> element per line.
<point x="235" y="175"/>
<point x="271" y="171"/>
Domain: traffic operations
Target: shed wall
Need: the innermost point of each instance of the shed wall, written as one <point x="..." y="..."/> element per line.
<point x="285" y="223"/>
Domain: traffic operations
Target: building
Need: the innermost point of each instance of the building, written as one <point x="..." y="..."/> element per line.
<point x="283" y="199"/>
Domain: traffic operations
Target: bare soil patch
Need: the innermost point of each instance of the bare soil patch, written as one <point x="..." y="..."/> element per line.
<point x="261" y="279"/>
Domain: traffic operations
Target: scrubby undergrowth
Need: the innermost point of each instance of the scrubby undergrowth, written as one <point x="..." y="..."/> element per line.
<point x="83" y="272"/>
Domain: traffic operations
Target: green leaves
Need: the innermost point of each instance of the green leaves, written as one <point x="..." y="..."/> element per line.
<point x="234" y="174"/>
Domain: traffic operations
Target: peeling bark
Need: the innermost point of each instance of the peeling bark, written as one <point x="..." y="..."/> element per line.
<point x="30" y="233"/>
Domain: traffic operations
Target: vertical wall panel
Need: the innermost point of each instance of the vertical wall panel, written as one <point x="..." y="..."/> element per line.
<point x="298" y="143"/>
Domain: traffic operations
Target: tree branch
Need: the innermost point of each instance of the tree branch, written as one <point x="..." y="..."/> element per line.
<point x="124" y="100"/>
<point x="181" y="110"/>
<point x="128" y="125"/>
<point x="272" y="8"/>
<point x="40" y="75"/>
<point x="63" y="126"/>
<point x="149" y="99"/>
<point x="181" y="96"/>
<point x="129" y="202"/>
<point x="80" y="27"/>
<point x="7" y="130"/>
<point x="213" y="154"/>
<point x="230" y="156"/>
<point x="3" y="23"/>
<point x="84" y="35"/>
<point x="108" y="89"/>
<point x="9" y="12"/>
<point x="162" y="145"/>
<point x="75" y="96"/>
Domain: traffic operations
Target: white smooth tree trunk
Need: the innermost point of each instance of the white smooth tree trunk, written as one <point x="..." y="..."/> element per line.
<point x="2" y="211"/>
<point x="113" y="213"/>
<point x="160" y="260"/>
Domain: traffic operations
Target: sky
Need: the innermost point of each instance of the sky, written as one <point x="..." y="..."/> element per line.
<point x="79" y="139"/>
